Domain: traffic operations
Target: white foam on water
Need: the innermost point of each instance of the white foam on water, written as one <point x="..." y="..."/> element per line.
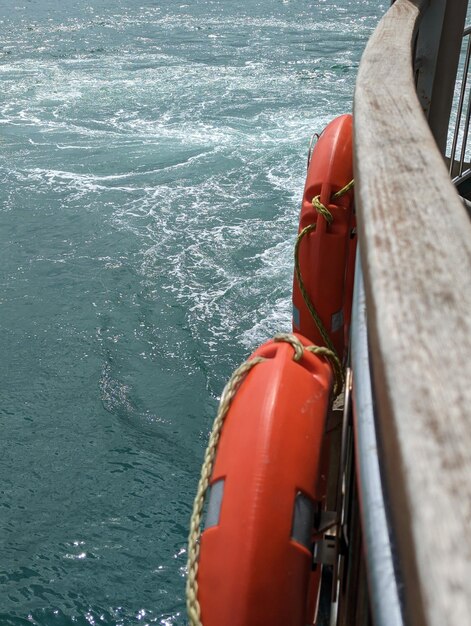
<point x="183" y="137"/>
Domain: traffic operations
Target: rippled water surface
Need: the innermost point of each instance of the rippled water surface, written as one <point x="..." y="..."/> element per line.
<point x="152" y="156"/>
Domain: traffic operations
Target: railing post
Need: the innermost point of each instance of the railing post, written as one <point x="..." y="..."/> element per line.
<point x="436" y="62"/>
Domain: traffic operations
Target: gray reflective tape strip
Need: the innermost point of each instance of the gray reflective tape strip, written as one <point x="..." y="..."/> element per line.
<point x="303" y="520"/>
<point x="214" y="504"/>
<point x="337" y="321"/>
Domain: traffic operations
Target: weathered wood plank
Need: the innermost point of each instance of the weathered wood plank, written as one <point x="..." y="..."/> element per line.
<point x="415" y="239"/>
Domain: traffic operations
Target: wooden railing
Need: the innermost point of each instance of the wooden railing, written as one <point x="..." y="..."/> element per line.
<point x="415" y="241"/>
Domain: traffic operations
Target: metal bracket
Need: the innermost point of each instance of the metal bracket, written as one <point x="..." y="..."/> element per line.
<point x="325" y="550"/>
<point x="327" y="521"/>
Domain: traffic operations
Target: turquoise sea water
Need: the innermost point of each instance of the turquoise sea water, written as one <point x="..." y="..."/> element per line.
<point x="152" y="157"/>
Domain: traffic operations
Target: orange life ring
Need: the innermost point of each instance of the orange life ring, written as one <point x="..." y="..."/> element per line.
<point x="255" y="557"/>
<point x="327" y="254"/>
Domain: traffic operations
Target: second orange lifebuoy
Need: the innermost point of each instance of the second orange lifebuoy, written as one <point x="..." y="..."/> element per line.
<point x="326" y="254"/>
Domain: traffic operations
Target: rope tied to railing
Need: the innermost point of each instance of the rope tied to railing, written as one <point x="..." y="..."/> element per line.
<point x="228" y="395"/>
<point x="327" y="215"/>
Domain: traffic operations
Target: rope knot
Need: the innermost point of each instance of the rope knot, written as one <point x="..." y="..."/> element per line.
<point x="293" y="341"/>
<point x="322" y="351"/>
<point x="322" y="209"/>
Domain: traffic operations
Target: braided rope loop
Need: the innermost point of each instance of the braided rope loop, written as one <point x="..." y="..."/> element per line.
<point x="230" y="390"/>
<point x="302" y="288"/>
